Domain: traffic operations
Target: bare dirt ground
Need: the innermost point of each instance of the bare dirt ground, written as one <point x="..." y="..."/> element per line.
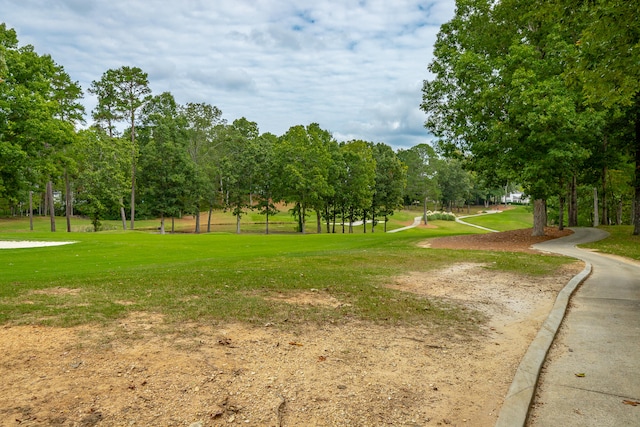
<point x="142" y="371"/>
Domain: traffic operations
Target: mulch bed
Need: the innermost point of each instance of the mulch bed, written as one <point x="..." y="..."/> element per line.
<point x="512" y="241"/>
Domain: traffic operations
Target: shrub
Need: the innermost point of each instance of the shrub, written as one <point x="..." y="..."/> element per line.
<point x="442" y="216"/>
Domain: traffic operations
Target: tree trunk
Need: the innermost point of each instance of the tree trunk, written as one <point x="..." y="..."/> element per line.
<point x="636" y="202"/>
<point x="619" y="213"/>
<point x="209" y="219"/>
<point x="133" y="195"/>
<point x="561" y="212"/>
<point x="173" y="225"/>
<point x="327" y="215"/>
<point x="318" y="221"/>
<point x="31" y="210"/>
<point x="237" y="224"/>
<point x="596" y="218"/>
<point x="335" y="215"/>
<point x="539" y="217"/>
<point x="267" y="221"/>
<point x="198" y="220"/>
<point x="133" y="169"/>
<point x="573" y="202"/>
<point x="633" y="210"/>
<point x="303" y="219"/>
<point x="52" y="211"/>
<point x="506" y="187"/>
<point x="364" y="221"/>
<point x="373" y="220"/>
<point x="68" y="200"/>
<point x="162" y="224"/>
<point x="424" y="214"/>
<point x="605" y="209"/>
<point x="123" y="215"/>
<point x="385" y="223"/>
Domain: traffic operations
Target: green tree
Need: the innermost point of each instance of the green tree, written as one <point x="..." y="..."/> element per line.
<point x="359" y="180"/>
<point x="390" y="182"/>
<point x="38" y="111"/>
<point x="303" y="161"/>
<point x="203" y="124"/>
<point x="165" y="164"/>
<point x="609" y="51"/>
<point x="335" y="200"/>
<point x="239" y="156"/>
<point x="454" y="183"/>
<point x="121" y="93"/>
<point x="421" y="162"/>
<point x="265" y="176"/>
<point x="106" y="114"/>
<point x="102" y="174"/>
<point x="499" y="96"/>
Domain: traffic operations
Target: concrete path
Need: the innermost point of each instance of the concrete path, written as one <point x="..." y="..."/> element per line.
<point x="593" y="377"/>
<point x="460" y="218"/>
<point x="416" y="222"/>
<point x="418" y="219"/>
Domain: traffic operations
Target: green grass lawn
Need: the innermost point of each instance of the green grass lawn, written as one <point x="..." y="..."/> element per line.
<point x="620" y="242"/>
<point x="221" y="222"/>
<point x="222" y="277"/>
<point x="512" y="219"/>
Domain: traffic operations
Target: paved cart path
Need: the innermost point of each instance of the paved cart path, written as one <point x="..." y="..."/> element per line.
<point x="592" y="373"/>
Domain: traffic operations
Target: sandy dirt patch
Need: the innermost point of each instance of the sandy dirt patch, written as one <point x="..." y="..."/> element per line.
<point x="143" y="371"/>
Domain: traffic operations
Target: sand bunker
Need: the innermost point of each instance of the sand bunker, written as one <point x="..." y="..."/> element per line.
<point x="8" y="244"/>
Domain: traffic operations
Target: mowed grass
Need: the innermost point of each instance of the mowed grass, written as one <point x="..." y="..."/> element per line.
<point x="512" y="219"/>
<point x="226" y="277"/>
<point x="620" y="242"/>
<point x="220" y="222"/>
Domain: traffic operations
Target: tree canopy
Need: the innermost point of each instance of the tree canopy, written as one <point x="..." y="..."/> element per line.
<point x="515" y="90"/>
<point x="545" y="97"/>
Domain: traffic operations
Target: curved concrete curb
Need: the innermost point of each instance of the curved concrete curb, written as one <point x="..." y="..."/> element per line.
<point x="516" y="404"/>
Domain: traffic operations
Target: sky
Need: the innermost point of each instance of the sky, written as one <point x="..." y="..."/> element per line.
<point x="355" y="67"/>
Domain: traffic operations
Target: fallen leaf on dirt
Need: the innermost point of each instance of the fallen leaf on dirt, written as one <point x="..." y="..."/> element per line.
<point x="224" y="341"/>
<point x="321" y="358"/>
<point x="631" y="402"/>
<point x="580" y="375"/>
<point x="296" y="343"/>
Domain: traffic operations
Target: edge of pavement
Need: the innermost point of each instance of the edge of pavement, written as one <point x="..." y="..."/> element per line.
<point x="515" y="409"/>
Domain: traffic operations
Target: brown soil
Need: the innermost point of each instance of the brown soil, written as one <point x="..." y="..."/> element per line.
<point x="143" y="371"/>
<point x="513" y="241"/>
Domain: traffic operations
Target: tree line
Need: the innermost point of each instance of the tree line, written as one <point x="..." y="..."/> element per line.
<point x="547" y="95"/>
<point x="171" y="160"/>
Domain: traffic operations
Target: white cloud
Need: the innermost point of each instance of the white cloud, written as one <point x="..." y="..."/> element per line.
<point x="355" y="66"/>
